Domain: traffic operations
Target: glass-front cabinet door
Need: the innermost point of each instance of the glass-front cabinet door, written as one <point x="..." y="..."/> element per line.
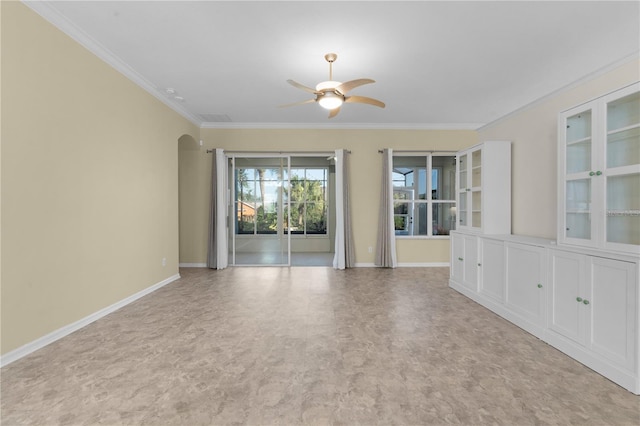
<point x="578" y="171"/>
<point x="476" y="188"/>
<point x="470" y="189"/>
<point x="463" y="185"/>
<point x="599" y="161"/>
<point x="622" y="174"/>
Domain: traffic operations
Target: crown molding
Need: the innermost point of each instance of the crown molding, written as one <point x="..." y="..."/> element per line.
<point x="585" y="79"/>
<point x="344" y="126"/>
<point x="57" y="19"/>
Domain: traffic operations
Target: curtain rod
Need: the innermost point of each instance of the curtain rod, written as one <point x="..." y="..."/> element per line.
<point x="380" y="151"/>
<point x="209" y="151"/>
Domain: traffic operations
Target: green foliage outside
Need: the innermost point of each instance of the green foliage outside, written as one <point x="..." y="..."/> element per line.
<point x="307" y="203"/>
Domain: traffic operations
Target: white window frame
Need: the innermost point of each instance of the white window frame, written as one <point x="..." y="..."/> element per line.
<point x="428" y="201"/>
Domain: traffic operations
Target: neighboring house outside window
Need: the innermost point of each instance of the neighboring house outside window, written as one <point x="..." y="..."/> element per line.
<point x="424" y="195"/>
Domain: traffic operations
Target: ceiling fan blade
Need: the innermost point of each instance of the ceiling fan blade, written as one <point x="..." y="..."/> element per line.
<point x="350" y="85"/>
<point x="301" y="86"/>
<point x="364" y="100"/>
<point x="308" y="101"/>
<point x="334" y="112"/>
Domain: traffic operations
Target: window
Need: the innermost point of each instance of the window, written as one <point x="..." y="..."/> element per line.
<point x="259" y="192"/>
<point x="424" y="195"/>
<point x="308" y="201"/>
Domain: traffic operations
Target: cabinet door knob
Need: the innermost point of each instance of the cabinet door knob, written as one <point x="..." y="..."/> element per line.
<point x="479" y="264"/>
<point x="585" y="301"/>
<point x="460" y="259"/>
<point x="539" y="285"/>
<point x="579" y="299"/>
<point x="598" y="173"/>
<point x="592" y="173"/>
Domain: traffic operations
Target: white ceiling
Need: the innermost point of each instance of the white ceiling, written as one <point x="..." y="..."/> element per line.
<point x="446" y="64"/>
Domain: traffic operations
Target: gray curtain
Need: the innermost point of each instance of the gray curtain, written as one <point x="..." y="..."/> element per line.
<point x="344" y="253"/>
<point x="349" y="253"/>
<point x="386" y="244"/>
<point x="218" y="255"/>
<point x="212" y="252"/>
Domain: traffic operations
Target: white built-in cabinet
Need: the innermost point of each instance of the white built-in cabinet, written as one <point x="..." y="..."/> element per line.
<point x="583" y="302"/>
<point x="484" y="188"/>
<point x="491" y="269"/>
<point x="525" y="271"/>
<point x="590" y="309"/>
<point x="464" y="267"/>
<point x="456" y="269"/>
<point x="599" y="173"/>
<point x="581" y="293"/>
<point x="511" y="274"/>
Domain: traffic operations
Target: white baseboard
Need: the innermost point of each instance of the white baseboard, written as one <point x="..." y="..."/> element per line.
<point x="423" y="265"/>
<point x="408" y="265"/>
<point x="357" y="265"/>
<point x="43" y="341"/>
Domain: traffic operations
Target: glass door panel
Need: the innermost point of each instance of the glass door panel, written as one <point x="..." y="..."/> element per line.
<point x="462" y="182"/>
<point x="476" y="209"/>
<point x="578" y="208"/>
<point x="462" y="209"/>
<point x="623" y="131"/>
<point x="463" y="219"/>
<point x="579" y="157"/>
<point x="476" y="191"/>
<point x="259" y="211"/>
<point x="623" y="148"/>
<point x="578" y="143"/>
<point x="623" y="209"/>
<point x="476" y="168"/>
<point x="623" y="191"/>
<point x="623" y="112"/>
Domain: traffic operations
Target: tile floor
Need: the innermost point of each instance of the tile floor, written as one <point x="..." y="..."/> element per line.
<point x="307" y="346"/>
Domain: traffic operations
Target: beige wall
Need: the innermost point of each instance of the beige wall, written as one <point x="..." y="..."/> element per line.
<point x="89" y="181"/>
<point x="534" y="150"/>
<point x="365" y="179"/>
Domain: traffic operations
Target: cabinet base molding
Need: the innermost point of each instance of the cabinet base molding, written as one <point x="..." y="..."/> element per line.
<point x="626" y="379"/>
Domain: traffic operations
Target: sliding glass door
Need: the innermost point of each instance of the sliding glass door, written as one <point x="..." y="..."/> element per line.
<point x="260" y="204"/>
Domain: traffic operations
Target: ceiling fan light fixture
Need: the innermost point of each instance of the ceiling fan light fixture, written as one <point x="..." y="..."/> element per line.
<point x="330" y="100"/>
<point x="331" y="94"/>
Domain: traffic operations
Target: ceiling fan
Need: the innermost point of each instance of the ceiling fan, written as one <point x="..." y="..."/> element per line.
<point x="332" y="94"/>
